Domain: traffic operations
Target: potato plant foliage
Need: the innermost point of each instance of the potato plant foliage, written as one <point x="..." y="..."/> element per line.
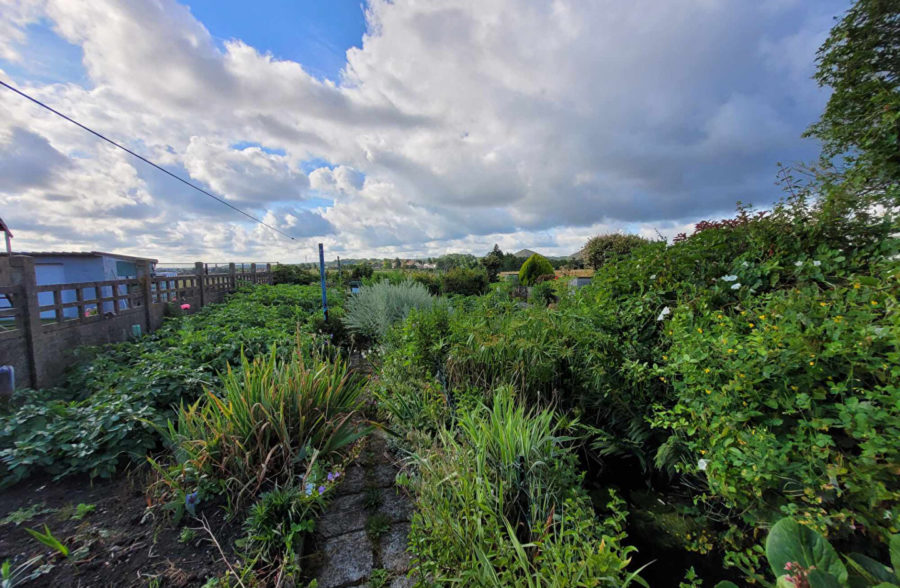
<point x="112" y="399"/>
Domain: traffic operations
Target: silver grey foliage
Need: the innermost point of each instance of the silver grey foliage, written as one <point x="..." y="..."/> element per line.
<point x="374" y="309"/>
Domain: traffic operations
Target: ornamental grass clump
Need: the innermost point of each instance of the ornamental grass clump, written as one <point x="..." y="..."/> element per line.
<point x="272" y="420"/>
<point x="499" y="504"/>
<point x="374" y="309"/>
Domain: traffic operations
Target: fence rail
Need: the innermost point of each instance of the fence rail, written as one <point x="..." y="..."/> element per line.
<point x="40" y="325"/>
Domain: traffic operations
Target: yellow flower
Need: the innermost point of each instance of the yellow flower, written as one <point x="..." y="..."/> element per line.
<point x="762" y="317"/>
<point x="822" y="304"/>
<point x="751" y="325"/>
<point x="708" y="391"/>
<point x="664" y="357"/>
<point x="856" y="285"/>
<point x="874" y="303"/>
<point x="699" y="330"/>
<point x="812" y="363"/>
<point x="794" y="388"/>
<point x="706" y="371"/>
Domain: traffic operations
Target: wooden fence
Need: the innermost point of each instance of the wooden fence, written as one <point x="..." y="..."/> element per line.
<point x="40" y="326"/>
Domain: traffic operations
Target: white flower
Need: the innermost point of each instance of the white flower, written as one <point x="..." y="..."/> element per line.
<point x="653" y="277"/>
<point x="888" y="515"/>
<point x="817" y="263"/>
<point x="729" y="278"/>
<point x="745" y="264"/>
<point x="665" y="312"/>
<point x="798" y="263"/>
<point x="701" y="465"/>
<point x="736" y="285"/>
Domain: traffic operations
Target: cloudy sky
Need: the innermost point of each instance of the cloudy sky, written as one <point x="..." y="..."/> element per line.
<point x="404" y="127"/>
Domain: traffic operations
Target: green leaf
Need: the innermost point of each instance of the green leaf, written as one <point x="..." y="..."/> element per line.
<point x="895" y="554"/>
<point x="870" y="570"/>
<point x="819" y="579"/>
<point x="725" y="584"/>
<point x="788" y="541"/>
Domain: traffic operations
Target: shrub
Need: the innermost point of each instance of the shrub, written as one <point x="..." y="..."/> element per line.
<point x="544" y="293"/>
<point x="431" y="281"/>
<point x="535" y="266"/>
<point x="292" y="274"/>
<point x="466" y="282"/>
<point x="361" y="271"/>
<point x="271" y="418"/>
<point x="791" y="400"/>
<point x="604" y="248"/>
<point x="374" y="309"/>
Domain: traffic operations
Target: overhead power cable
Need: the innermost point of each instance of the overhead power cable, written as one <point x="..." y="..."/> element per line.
<point x="147" y="161"/>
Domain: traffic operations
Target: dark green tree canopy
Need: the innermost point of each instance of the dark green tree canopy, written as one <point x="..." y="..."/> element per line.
<point x="534" y="267"/>
<point x="860" y="61"/>
<point x="603" y="248"/>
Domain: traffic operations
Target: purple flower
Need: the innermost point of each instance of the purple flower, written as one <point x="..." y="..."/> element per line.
<point x="190" y="502"/>
<point x="332" y="476"/>
<point x="309" y="488"/>
<point x="321" y="489"/>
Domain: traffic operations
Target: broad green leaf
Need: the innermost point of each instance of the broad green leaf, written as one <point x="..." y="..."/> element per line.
<point x="725" y="584"/>
<point x="819" y="579"/>
<point x="788" y="541"/>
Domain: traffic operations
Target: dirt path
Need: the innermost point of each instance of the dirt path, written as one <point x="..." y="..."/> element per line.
<point x="362" y="535"/>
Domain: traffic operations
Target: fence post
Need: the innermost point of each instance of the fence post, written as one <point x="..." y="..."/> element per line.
<point x="253" y="273"/>
<point x="201" y="281"/>
<point x="23" y="276"/>
<point x="146" y="285"/>
<point x="269" y="274"/>
<point x="322" y="277"/>
<point x="233" y="277"/>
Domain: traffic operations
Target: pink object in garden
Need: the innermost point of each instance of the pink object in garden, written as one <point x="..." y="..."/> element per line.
<point x="185" y="307"/>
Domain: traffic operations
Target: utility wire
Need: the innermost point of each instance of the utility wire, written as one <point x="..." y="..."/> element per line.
<point x="145" y="160"/>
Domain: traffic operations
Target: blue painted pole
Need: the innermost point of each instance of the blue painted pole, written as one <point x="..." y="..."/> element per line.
<point x="322" y="276"/>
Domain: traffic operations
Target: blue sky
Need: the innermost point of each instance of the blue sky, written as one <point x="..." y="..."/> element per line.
<point x="458" y="124"/>
<point x="315" y="33"/>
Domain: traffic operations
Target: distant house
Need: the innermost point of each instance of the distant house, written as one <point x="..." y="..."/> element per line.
<point x="78" y="267"/>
